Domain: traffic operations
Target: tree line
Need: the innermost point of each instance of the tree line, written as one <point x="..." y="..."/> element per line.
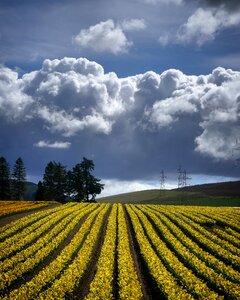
<point x="58" y="183"/>
<point x="12" y="184"/>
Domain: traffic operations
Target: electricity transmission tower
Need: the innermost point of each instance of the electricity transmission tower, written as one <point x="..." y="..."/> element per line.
<point x="182" y="177"/>
<point x="162" y="180"/>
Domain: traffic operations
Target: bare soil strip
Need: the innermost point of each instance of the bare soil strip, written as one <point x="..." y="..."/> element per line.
<point x="81" y="291"/>
<point x="8" y="219"/>
<point x="149" y="288"/>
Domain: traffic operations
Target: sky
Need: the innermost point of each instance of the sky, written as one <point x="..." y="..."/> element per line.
<point x="138" y="86"/>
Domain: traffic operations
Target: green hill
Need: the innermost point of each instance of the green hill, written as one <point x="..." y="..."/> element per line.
<point x="216" y="194"/>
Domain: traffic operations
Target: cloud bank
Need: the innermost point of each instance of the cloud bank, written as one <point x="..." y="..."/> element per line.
<point x="76" y="99"/>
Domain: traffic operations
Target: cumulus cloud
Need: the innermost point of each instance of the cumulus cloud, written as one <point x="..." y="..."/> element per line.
<point x="103" y="37"/>
<point x="200" y="31"/>
<point x="71" y="96"/>
<point x="108" y="36"/>
<point x="13" y="101"/>
<point x="55" y="145"/>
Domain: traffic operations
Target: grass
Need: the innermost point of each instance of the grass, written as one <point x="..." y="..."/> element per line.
<point x="200" y="196"/>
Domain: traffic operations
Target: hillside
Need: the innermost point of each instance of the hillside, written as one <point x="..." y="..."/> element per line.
<point x="215" y="194"/>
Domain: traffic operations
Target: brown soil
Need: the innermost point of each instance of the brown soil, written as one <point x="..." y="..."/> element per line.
<point x="81" y="291"/>
<point x="149" y="288"/>
<point x="8" y="219"/>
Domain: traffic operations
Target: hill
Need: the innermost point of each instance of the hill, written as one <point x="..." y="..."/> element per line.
<point x="214" y="194"/>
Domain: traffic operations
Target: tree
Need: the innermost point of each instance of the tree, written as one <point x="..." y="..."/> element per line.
<point x="18" y="180"/>
<point x="5" y="189"/>
<point x="83" y="183"/>
<point x="40" y="195"/>
<point x="55" y="182"/>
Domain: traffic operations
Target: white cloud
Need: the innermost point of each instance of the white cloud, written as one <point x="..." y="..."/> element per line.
<point x="70" y="96"/>
<point x="55" y="145"/>
<point x="103" y="37"/>
<point x="205" y="23"/>
<point x="115" y="186"/>
<point x="13" y="101"/>
<point x="133" y="25"/>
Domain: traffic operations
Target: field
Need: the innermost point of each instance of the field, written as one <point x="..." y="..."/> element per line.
<point x="116" y="251"/>
<point x="8" y="208"/>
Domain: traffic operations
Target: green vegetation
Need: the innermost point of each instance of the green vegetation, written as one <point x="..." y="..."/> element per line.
<point x="218" y="194"/>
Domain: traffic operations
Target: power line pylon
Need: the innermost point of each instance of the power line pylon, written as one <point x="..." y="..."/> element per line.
<point x="162" y="180"/>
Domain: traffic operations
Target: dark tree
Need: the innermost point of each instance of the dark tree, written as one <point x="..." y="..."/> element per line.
<point x="84" y="184"/>
<point x="76" y="183"/>
<point x="5" y="189"/>
<point x="55" y="182"/>
<point x="18" y="180"/>
<point x="40" y="192"/>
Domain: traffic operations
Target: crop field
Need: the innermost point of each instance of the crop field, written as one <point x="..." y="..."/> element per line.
<point x="116" y="251"/>
<point x="12" y="207"/>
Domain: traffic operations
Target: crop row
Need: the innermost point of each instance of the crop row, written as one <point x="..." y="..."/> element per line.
<point x="192" y="262"/>
<point x="64" y="219"/>
<point x="164" y="280"/>
<point x="72" y="275"/>
<point x="210" y="260"/>
<point x="19" y="206"/>
<point x="128" y="283"/>
<point x="102" y="285"/>
<point x="48" y="274"/>
<point x="184" y="275"/>
<point x="24" y="223"/>
<point x="94" y="250"/>
<point x="33" y="258"/>
<point x="33" y="233"/>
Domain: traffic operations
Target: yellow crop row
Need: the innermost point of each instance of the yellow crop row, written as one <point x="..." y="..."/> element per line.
<point x="16" y="207"/>
<point x="203" y="237"/>
<point x="102" y="285"/>
<point x="220" y="267"/>
<point x="194" y="231"/>
<point x="226" y="236"/>
<point x="23" y="223"/>
<point x="31" y="234"/>
<point x="31" y="262"/>
<point x="194" y="220"/>
<point x="184" y="275"/>
<point x="166" y="283"/>
<point x="72" y="275"/>
<point x="43" y="241"/>
<point x="232" y="232"/>
<point x="128" y="283"/>
<point x="49" y="273"/>
<point x="200" y="268"/>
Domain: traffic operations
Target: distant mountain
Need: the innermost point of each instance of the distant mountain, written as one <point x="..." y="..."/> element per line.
<point x="215" y="194"/>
